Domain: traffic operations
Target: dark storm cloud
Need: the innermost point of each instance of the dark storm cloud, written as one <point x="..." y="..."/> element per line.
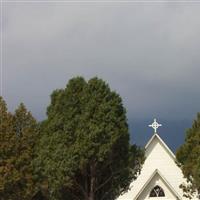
<point x="147" y="53"/>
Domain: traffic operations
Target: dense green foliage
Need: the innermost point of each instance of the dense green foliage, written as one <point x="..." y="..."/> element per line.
<point x="81" y="151"/>
<point x="84" y="151"/>
<point x="17" y="138"/>
<point x="8" y="174"/>
<point x="188" y="156"/>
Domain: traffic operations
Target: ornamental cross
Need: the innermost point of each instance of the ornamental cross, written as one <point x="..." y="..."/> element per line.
<point x="155" y="125"/>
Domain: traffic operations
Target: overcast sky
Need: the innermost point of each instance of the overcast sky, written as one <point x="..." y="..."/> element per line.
<point x="148" y="53"/>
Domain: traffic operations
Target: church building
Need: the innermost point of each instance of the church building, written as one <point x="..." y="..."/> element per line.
<point x="160" y="177"/>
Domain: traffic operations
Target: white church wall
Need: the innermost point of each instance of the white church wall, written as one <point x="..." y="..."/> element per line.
<point x="158" y="157"/>
<point x="157" y="180"/>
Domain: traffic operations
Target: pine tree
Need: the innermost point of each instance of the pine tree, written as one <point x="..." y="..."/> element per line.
<point x="84" y="150"/>
<point x="188" y="156"/>
<point x="25" y="127"/>
<point x="17" y="138"/>
<point x="8" y="173"/>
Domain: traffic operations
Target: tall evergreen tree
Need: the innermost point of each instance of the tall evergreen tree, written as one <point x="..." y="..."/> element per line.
<point x="84" y="151"/>
<point x="17" y="139"/>
<point x="8" y="173"/>
<point x="188" y="156"/>
<point x="25" y="128"/>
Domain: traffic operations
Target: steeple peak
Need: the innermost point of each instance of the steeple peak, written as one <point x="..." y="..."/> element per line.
<point x="155" y="125"/>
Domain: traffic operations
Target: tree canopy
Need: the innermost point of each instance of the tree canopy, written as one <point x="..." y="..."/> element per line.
<point x="17" y="138"/>
<point x="188" y="156"/>
<point x="8" y="174"/>
<point x="84" y="150"/>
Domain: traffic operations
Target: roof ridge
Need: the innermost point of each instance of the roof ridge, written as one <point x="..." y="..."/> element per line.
<point x="163" y="144"/>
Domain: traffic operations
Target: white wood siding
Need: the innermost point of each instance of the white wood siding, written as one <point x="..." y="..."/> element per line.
<point x="158" y="157"/>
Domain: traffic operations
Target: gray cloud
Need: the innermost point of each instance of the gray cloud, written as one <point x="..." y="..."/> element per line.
<point x="147" y="53"/>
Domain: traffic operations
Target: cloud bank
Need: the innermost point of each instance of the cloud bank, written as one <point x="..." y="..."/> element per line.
<point x="149" y="54"/>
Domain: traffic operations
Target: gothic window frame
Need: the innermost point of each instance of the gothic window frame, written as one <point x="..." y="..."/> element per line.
<point x="157" y="191"/>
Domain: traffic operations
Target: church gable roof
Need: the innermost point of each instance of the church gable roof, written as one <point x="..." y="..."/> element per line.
<point x="157" y="137"/>
<point x="157" y="172"/>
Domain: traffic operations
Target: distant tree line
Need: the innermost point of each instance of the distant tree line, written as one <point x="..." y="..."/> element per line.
<point x="81" y="151"/>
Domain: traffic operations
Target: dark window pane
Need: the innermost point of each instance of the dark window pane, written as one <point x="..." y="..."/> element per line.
<point x="157" y="191"/>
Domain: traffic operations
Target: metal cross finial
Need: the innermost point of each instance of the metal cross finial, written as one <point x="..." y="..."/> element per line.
<point x="155" y="125"/>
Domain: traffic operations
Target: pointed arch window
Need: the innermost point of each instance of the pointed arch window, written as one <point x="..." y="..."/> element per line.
<point x="157" y="191"/>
